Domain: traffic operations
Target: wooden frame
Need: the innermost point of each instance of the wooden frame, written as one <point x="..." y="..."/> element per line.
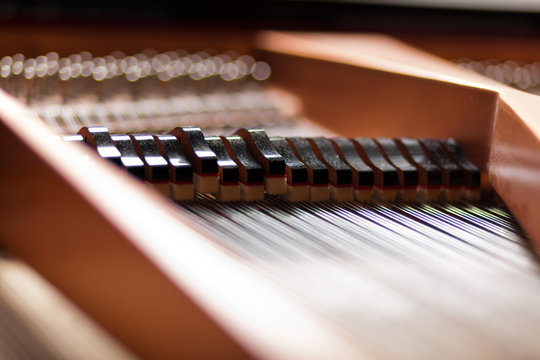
<point x="78" y="220"/>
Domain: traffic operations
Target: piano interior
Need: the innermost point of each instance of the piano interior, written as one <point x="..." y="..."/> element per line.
<point x="368" y="272"/>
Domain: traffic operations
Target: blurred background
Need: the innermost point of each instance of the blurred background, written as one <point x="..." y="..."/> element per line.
<point x="519" y="17"/>
<point x="477" y="29"/>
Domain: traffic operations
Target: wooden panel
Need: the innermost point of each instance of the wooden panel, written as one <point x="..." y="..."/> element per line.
<point x="476" y="47"/>
<point x="514" y="165"/>
<point x="34" y="40"/>
<point x="356" y="101"/>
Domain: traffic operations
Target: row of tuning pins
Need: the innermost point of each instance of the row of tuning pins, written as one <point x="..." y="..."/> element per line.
<point x="50" y="79"/>
<point x="249" y="165"/>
